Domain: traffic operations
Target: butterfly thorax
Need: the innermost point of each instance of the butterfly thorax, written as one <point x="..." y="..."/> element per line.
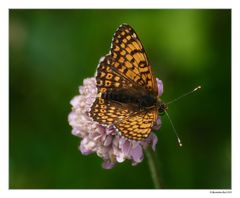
<point x="147" y="101"/>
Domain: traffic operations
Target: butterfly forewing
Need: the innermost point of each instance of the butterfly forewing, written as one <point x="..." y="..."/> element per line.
<point x="106" y="78"/>
<point x="131" y="58"/>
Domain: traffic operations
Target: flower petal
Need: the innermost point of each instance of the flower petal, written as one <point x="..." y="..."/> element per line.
<point x="157" y="124"/>
<point x="137" y="154"/>
<point x="160" y="87"/>
<point x="107" y="165"/>
<point x="84" y="150"/>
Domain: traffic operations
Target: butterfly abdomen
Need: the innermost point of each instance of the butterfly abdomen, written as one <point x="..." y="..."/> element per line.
<point x="119" y="97"/>
<point x="140" y="101"/>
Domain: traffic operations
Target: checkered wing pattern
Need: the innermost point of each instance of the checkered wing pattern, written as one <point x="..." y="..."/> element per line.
<point x="130" y="124"/>
<point x="126" y="67"/>
<point x="131" y="59"/>
<point x="138" y="125"/>
<point x="108" y="78"/>
<point x="107" y="113"/>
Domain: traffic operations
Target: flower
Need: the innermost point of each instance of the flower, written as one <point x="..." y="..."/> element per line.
<point x="105" y="141"/>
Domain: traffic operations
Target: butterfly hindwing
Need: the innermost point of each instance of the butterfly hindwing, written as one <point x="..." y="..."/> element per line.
<point x="106" y="112"/>
<point x="137" y="126"/>
<point x="130" y="124"/>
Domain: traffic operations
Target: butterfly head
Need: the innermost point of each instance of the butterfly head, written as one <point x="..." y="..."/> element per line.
<point x="162" y="107"/>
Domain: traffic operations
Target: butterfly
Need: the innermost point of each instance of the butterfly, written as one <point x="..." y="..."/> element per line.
<point x="127" y="96"/>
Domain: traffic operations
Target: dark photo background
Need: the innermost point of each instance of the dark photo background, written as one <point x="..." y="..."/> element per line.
<point x="52" y="51"/>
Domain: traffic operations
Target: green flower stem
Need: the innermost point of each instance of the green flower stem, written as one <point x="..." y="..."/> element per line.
<point x="154" y="167"/>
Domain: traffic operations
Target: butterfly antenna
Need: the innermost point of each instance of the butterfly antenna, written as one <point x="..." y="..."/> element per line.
<point x="179" y="141"/>
<point x="188" y="93"/>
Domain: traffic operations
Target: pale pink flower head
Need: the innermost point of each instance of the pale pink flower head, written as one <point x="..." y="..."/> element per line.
<point x="105" y="141"/>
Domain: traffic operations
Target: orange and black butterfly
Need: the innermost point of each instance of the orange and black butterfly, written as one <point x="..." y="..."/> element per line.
<point x="127" y="90"/>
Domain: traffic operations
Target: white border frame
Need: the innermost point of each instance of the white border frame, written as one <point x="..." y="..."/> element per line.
<point x="171" y="4"/>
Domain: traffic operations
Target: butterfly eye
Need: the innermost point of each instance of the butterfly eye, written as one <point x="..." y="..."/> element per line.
<point x="162" y="108"/>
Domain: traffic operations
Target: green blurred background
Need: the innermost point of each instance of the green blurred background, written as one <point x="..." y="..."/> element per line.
<point x="52" y="51"/>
